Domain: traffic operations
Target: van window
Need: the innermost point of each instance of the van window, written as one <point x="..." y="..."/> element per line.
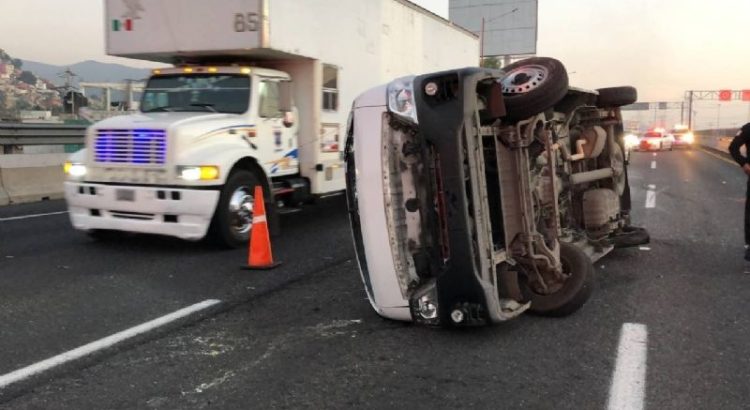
<point x="330" y="88"/>
<point x="269" y="99"/>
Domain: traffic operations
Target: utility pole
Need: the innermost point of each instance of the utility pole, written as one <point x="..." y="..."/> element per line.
<point x="481" y="35"/>
<point x="682" y="112"/>
<point x="690" y="110"/>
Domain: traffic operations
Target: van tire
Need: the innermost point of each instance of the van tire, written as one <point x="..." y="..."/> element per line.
<point x="225" y="225"/>
<point x="616" y="96"/>
<point x="575" y="291"/>
<point x="532" y="86"/>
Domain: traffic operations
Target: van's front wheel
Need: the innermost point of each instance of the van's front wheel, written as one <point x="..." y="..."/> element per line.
<point x="574" y="292"/>
<point x="233" y="218"/>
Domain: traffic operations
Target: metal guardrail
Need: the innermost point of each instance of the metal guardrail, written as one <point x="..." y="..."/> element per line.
<point x="41" y="134"/>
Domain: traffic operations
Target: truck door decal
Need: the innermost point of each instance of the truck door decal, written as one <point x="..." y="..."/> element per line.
<point x="289" y="160"/>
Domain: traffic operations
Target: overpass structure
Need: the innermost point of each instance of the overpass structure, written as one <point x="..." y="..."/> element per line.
<point x="129" y="87"/>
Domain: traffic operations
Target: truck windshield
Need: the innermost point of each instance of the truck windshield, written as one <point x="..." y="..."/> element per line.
<point x="224" y="93"/>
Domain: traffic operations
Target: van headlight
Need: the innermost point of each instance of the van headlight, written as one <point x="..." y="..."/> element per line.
<point x="401" y="99"/>
<point x="74" y="169"/>
<point x="198" y="172"/>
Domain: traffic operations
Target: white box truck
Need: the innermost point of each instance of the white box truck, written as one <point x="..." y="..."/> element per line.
<point x="259" y="93"/>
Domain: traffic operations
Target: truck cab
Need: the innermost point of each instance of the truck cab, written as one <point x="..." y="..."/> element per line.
<point x="191" y="150"/>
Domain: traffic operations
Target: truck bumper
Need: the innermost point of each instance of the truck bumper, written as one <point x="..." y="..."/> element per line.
<point x="182" y="213"/>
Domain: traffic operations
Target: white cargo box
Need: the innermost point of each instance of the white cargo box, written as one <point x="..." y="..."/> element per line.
<point x="172" y="31"/>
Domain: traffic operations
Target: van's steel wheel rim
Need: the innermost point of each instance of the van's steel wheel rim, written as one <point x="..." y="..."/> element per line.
<point x="241" y="211"/>
<point x="524" y="79"/>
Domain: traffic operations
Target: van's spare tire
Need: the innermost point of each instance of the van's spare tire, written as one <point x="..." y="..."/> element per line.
<point x="532" y="86"/>
<point x="616" y="96"/>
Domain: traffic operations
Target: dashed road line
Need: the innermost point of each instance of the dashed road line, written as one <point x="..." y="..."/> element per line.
<point x="109" y="341"/>
<point x="653" y="164"/>
<point x="651" y="196"/>
<point x="628" y="389"/>
<point x="18" y="218"/>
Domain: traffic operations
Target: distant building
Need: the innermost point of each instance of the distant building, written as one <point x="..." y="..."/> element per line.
<point x="5" y="70"/>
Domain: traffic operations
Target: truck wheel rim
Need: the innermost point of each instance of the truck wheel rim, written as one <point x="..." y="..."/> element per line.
<point x="524" y="79"/>
<point x="241" y="211"/>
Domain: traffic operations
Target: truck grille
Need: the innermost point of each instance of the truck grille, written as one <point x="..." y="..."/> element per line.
<point x="139" y="146"/>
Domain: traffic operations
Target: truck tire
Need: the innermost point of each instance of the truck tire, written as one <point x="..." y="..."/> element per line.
<point x="575" y="291"/>
<point x="532" y="86"/>
<point x="232" y="221"/>
<point x="616" y="96"/>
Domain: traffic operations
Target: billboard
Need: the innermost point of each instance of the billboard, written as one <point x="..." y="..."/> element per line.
<point x="510" y="26"/>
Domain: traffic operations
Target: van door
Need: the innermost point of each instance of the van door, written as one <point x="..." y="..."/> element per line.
<point x="280" y="155"/>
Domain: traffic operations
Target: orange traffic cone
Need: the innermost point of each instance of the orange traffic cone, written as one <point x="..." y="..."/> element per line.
<point x="259" y="254"/>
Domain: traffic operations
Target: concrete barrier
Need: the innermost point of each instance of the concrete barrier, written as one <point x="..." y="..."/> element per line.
<point x="716" y="141"/>
<point x="4" y="198"/>
<point x="31" y="177"/>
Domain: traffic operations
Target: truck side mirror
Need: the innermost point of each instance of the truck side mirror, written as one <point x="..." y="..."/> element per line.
<point x="285" y="96"/>
<point x="288" y="119"/>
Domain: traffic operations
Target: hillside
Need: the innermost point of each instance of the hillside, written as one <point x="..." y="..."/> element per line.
<point x="88" y="71"/>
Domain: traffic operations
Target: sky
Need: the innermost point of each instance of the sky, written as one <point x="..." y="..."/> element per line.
<point x="663" y="47"/>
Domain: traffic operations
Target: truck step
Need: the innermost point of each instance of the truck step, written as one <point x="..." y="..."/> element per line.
<point x="288" y="210"/>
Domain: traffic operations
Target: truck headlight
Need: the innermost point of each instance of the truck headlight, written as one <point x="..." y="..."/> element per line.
<point x="198" y="172"/>
<point x="401" y="99"/>
<point x="74" y="169"/>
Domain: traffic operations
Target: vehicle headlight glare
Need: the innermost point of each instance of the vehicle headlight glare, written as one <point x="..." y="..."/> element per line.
<point x="74" y="169"/>
<point x="631" y="141"/>
<point x="401" y="99"/>
<point x="689" y="138"/>
<point x="199" y="173"/>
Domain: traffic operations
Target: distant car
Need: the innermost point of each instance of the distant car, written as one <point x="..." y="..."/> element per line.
<point x="682" y="138"/>
<point x="655" y="141"/>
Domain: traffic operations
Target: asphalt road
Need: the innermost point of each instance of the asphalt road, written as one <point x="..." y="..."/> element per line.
<point x="304" y="335"/>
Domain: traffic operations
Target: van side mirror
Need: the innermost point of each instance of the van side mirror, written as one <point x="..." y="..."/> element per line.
<point x="285" y="96"/>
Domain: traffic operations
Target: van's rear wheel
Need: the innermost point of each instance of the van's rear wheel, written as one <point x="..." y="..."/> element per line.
<point x="233" y="218"/>
<point x="574" y="292"/>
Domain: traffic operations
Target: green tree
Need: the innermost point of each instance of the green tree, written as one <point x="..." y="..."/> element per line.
<point x="491" y="62"/>
<point x="17" y="62"/>
<point x="28" y="77"/>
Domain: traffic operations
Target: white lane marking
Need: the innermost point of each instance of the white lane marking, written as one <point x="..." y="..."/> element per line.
<point x="644" y="248"/>
<point x="17" y="218"/>
<point x="653" y="164"/>
<point x="650" y="198"/>
<point x="628" y="388"/>
<point x="655" y="154"/>
<point x="651" y="186"/>
<point x="87" y="349"/>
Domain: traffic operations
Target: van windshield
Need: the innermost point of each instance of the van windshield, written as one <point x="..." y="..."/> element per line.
<point x="224" y="93"/>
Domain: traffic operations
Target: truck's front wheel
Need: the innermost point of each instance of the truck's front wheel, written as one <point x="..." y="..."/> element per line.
<point x="233" y="219"/>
